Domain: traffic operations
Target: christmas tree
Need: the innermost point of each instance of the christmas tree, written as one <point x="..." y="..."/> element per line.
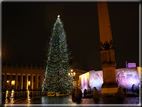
<point x="57" y="65"/>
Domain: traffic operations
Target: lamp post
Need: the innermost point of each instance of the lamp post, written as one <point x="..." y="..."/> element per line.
<point x="71" y="73"/>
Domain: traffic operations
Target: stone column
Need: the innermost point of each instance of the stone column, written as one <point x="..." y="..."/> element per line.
<point x="41" y="80"/>
<point x="36" y="81"/>
<point x="16" y="81"/>
<point x="21" y="81"/>
<point x="26" y="79"/>
<point x="31" y="82"/>
<point x="10" y="80"/>
<point x="5" y="82"/>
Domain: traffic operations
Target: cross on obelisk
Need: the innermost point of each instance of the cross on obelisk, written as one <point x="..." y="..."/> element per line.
<point x="107" y="51"/>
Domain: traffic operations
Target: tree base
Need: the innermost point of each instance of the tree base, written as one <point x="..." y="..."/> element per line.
<point x="61" y="94"/>
<point x="56" y="94"/>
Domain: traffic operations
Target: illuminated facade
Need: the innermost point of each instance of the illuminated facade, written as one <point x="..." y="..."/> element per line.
<point x="20" y="77"/>
<point x="125" y="78"/>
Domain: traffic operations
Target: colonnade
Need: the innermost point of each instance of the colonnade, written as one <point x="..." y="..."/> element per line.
<point x="23" y="83"/>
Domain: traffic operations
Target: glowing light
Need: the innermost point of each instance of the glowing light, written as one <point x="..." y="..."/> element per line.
<point x="58" y="16"/>
<point x="7" y="81"/>
<point x="12" y="90"/>
<point x="68" y="73"/>
<point x="125" y="78"/>
<point x="29" y="83"/>
<point x="13" y="82"/>
<point x="74" y="73"/>
<point x="71" y="70"/>
<point x="129" y="65"/>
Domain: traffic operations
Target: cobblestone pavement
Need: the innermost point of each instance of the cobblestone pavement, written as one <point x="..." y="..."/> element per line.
<point x="43" y="100"/>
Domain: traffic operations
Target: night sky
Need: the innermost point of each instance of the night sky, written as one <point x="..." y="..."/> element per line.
<point x="27" y="27"/>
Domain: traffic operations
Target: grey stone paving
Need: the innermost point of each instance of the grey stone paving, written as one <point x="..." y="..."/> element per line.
<point x="68" y="100"/>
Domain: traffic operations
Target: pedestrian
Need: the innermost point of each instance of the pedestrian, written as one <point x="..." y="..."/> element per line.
<point x="133" y="88"/>
<point x="85" y="92"/>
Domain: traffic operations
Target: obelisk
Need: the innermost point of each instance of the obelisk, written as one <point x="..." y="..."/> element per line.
<point x="107" y="51"/>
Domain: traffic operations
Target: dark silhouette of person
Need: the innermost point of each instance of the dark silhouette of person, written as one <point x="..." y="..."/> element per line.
<point x="85" y="92"/>
<point x="133" y="87"/>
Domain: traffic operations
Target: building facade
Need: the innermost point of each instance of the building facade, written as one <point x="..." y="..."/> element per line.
<point x="25" y="77"/>
<point x="20" y="77"/>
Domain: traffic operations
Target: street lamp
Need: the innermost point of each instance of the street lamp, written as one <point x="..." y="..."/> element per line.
<point x="29" y="83"/>
<point x="13" y="82"/>
<point x="71" y="73"/>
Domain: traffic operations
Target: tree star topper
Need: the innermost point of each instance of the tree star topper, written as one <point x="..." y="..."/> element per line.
<point x="58" y="16"/>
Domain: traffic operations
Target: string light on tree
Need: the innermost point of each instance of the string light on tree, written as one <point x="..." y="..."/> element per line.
<point x="71" y="73"/>
<point x="57" y="65"/>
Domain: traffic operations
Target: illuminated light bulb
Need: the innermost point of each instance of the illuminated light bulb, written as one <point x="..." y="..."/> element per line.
<point x="13" y="82"/>
<point x="71" y="70"/>
<point x="29" y="83"/>
<point x="58" y="16"/>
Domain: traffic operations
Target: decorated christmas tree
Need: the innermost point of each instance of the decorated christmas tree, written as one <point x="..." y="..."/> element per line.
<point x="57" y="65"/>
